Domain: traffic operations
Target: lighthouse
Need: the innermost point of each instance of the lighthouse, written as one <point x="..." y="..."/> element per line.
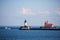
<point x="25" y="27"/>
<point x="25" y="23"/>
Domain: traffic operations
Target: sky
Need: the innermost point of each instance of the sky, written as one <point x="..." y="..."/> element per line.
<point x="36" y="12"/>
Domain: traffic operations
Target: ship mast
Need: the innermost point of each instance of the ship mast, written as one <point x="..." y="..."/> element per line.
<point x="46" y="22"/>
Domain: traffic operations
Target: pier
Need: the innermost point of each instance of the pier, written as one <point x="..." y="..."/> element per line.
<point x="47" y="26"/>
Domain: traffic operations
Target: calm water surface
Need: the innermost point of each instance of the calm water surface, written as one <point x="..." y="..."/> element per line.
<point x="16" y="34"/>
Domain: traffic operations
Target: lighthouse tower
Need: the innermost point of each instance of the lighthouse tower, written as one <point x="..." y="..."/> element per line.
<point x="25" y="23"/>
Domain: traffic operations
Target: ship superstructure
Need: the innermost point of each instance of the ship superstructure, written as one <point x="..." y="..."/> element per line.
<point x="46" y="24"/>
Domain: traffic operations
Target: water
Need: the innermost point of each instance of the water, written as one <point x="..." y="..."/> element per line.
<point x="15" y="34"/>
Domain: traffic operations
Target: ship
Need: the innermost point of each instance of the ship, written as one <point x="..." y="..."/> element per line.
<point x="49" y="26"/>
<point x="7" y="28"/>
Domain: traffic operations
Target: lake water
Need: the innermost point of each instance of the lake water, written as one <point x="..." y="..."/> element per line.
<point x="16" y="34"/>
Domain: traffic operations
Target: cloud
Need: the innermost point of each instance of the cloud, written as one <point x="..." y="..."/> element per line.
<point x="44" y="12"/>
<point x="57" y="11"/>
<point x="27" y="11"/>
